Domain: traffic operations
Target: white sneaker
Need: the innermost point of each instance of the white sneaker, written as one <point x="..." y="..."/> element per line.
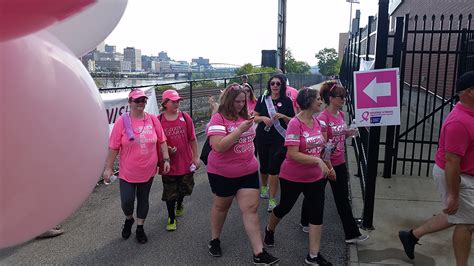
<point x="358" y="239"/>
<point x="304" y="228"/>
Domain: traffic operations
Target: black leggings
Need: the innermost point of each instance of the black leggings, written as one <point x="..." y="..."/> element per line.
<point x="313" y="194"/>
<point x="128" y="191"/>
<point x="340" y="191"/>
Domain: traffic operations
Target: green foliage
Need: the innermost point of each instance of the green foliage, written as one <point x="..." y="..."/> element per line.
<point x="328" y="62"/>
<point x="206" y="84"/>
<point x="294" y="66"/>
<point x="160" y="89"/>
<point x="250" y="70"/>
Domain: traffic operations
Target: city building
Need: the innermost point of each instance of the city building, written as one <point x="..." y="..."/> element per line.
<point x="134" y="56"/>
<point x="179" y="66"/>
<point x="110" y="48"/>
<point x="163" y="56"/>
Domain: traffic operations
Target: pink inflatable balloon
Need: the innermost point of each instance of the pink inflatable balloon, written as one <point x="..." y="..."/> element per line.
<point x="21" y="17"/>
<point x="53" y="137"/>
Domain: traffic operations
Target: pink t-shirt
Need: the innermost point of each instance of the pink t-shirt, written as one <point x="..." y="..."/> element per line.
<point x="336" y="128"/>
<point x="239" y="160"/>
<point x="457" y="136"/>
<point x="251" y="106"/>
<point x="138" y="158"/>
<point x="292" y="93"/>
<point x="179" y="133"/>
<point x="310" y="141"/>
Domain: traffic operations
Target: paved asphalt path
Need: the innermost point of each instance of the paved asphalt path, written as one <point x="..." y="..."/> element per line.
<point x="93" y="234"/>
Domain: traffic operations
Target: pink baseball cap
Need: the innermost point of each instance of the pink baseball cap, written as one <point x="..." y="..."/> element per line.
<point x="135" y="94"/>
<point x="171" y="95"/>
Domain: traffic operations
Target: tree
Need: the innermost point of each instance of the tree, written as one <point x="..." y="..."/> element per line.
<point x="294" y="66"/>
<point x="328" y="62"/>
<point x="248" y="69"/>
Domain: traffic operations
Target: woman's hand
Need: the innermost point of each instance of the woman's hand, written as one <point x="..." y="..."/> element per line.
<point x="245" y="125"/>
<point x="108" y="172"/>
<point x="332" y="174"/>
<point x="172" y="150"/>
<point x="196" y="162"/>
<point x="323" y="167"/>
<point x="166" y="167"/>
<point x="279" y="116"/>
<point x="266" y="120"/>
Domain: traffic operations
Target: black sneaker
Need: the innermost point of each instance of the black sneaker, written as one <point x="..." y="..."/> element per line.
<point x="215" y="248"/>
<point x="127" y="228"/>
<point x="264" y="258"/>
<point x="408" y="241"/>
<point x="319" y="260"/>
<point x="140" y="235"/>
<point x="269" y="239"/>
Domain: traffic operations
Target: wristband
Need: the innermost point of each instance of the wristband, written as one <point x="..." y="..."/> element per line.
<point x="166" y="160"/>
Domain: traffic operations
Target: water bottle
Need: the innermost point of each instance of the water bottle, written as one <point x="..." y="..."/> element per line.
<point x="267" y="128"/>
<point x="354" y="131"/>
<point x="328" y="150"/>
<point x="113" y="178"/>
<point x="193" y="167"/>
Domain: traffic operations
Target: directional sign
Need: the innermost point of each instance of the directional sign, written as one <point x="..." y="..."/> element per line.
<point x="377" y="97"/>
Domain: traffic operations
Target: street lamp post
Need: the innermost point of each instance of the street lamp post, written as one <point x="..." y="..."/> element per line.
<point x="350" y="15"/>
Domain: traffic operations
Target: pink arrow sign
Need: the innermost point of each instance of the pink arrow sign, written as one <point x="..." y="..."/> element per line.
<point x="376" y="88"/>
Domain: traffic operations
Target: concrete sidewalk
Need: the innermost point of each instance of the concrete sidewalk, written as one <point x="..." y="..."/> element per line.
<point x="401" y="203"/>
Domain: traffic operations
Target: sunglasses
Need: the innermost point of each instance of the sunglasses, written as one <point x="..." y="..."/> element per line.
<point x="140" y="100"/>
<point x="235" y="88"/>
<point x="275" y="83"/>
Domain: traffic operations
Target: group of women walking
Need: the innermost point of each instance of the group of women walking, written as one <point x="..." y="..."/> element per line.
<point x="289" y="148"/>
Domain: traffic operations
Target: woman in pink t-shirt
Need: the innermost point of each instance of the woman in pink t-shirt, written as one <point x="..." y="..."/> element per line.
<point x="303" y="171"/>
<point x="182" y="147"/>
<point x="135" y="137"/>
<point x="233" y="170"/>
<point x="335" y="129"/>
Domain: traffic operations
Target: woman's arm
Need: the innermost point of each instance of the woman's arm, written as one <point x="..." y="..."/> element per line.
<point x="166" y="157"/>
<point x="223" y="143"/>
<point x="109" y="163"/>
<point x="294" y="153"/>
<point x="194" y="148"/>
<point x="261" y="118"/>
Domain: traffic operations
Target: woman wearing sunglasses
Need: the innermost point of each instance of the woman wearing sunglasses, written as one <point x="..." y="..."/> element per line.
<point x="272" y="113"/>
<point x="335" y="129"/>
<point x="135" y="137"/>
<point x="233" y="171"/>
<point x="303" y="171"/>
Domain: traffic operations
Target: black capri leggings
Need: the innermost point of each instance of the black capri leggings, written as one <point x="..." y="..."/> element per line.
<point x="127" y="196"/>
<point x="313" y="194"/>
<point x="271" y="155"/>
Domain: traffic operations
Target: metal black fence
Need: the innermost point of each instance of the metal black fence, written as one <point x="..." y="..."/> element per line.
<point x="431" y="53"/>
<point x="195" y="93"/>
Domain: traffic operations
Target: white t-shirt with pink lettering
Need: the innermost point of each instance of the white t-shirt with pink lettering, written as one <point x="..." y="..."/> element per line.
<point x="139" y="157"/>
<point x="239" y="160"/>
<point x="335" y="127"/>
<point x="457" y="137"/>
<point x="179" y="133"/>
<point x="311" y="142"/>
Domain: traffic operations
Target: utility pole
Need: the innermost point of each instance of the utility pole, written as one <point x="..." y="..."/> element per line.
<point x="281" y="35"/>
<point x="350" y="15"/>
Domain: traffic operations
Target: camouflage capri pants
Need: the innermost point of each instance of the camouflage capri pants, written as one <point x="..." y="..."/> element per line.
<point x="176" y="186"/>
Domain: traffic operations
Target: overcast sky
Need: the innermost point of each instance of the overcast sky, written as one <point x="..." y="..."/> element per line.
<point x="231" y="31"/>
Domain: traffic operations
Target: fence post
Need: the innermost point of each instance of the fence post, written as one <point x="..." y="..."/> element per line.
<point x="374" y="140"/>
<point x="390" y="137"/>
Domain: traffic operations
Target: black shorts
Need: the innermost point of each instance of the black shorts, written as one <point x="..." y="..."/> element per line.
<point x="225" y="187"/>
<point x="271" y="156"/>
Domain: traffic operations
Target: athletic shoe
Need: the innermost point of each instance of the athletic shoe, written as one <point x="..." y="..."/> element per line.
<point x="264" y="258"/>
<point x="179" y="212"/>
<point x="408" y="241"/>
<point x="127" y="228"/>
<point x="171" y="226"/>
<point x="54" y="232"/>
<point x="304" y="228"/>
<point x="140" y="235"/>
<point x="264" y="192"/>
<point x="272" y="203"/>
<point x="269" y="239"/>
<point x="358" y="239"/>
<point x="319" y="260"/>
<point x="215" y="248"/>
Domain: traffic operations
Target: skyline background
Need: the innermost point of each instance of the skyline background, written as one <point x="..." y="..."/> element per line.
<point x="233" y="32"/>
